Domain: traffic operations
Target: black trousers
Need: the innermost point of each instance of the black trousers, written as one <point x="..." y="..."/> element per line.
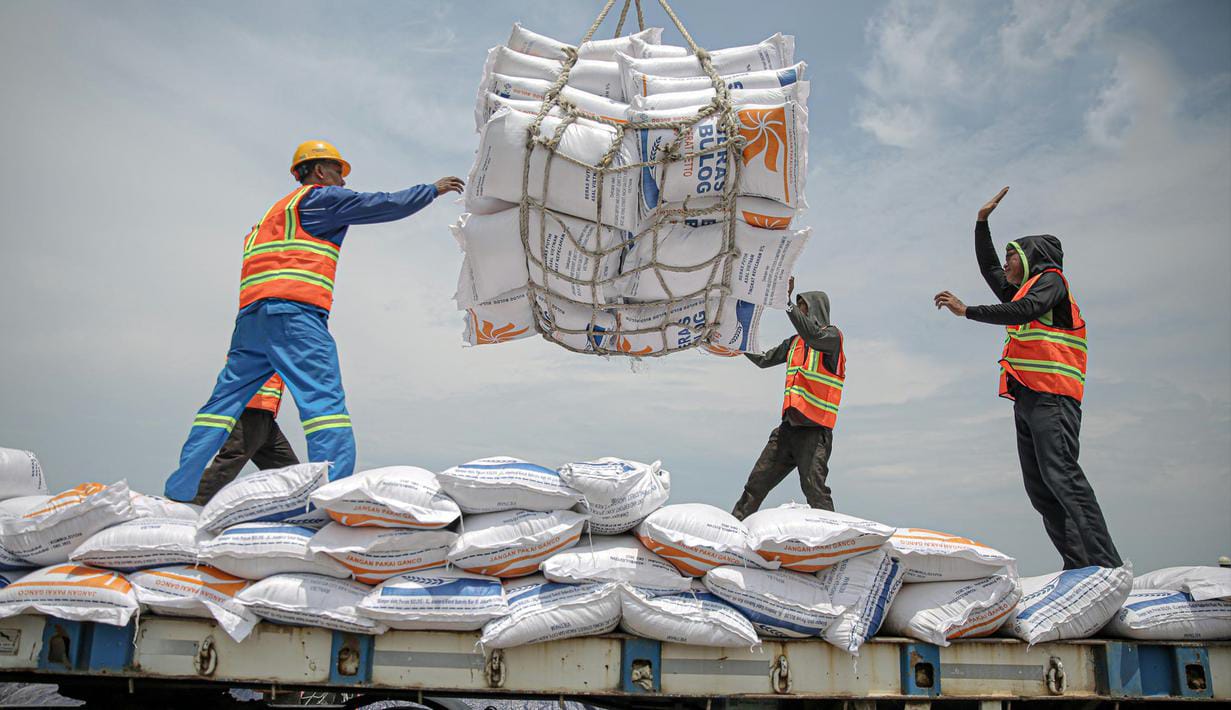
<point x="1047" y="444"/>
<point x="257" y="438"/>
<point x="804" y="447"/>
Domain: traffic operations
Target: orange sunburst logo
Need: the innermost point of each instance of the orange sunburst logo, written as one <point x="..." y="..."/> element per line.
<point x="720" y="350"/>
<point x="486" y="332"/>
<point x="623" y="345"/>
<point x="765" y="221"/>
<point x="764" y="130"/>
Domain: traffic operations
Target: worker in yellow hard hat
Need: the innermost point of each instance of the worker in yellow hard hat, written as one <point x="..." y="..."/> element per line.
<point x="285" y="294"/>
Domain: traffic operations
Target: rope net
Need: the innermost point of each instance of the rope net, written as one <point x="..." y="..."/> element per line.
<point x="614" y="324"/>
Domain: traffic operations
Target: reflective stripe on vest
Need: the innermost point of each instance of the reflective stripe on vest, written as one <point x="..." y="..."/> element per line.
<point x="283" y="261"/>
<point x="269" y="397"/>
<point x="812" y="390"/>
<point x="1043" y="357"/>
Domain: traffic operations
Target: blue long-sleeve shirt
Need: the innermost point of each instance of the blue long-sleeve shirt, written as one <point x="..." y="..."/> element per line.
<point x="326" y="212"/>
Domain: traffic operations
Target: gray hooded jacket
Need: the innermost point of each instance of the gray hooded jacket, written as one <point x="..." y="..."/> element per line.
<point x="1038" y="253"/>
<point x="817" y="333"/>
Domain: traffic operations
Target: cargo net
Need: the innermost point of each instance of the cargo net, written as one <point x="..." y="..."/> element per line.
<point x="605" y="335"/>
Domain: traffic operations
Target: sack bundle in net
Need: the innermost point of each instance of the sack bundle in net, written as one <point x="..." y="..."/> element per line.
<point x="633" y="198"/>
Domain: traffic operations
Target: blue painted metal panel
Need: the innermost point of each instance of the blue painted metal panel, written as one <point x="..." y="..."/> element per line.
<point x="350" y="658"/>
<point x="1121" y="669"/>
<point x="1157" y="670"/>
<point x="919" y="665"/>
<point x="637" y="650"/>
<point x="1192" y="672"/>
<point x="63" y="645"/>
<point x="109" y="648"/>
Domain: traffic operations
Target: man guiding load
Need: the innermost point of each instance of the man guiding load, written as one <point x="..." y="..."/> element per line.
<point x="1043" y="370"/>
<point x="815" y="373"/>
<point x="286" y="292"/>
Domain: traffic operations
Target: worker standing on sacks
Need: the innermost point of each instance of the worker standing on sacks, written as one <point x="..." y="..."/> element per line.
<point x="256" y="437"/>
<point x="1043" y="370"/>
<point x="816" y="370"/>
<point x="286" y="291"/>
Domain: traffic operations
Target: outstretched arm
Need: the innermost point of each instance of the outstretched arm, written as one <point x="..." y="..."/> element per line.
<point x="769" y="358"/>
<point x="985" y="252"/>
<point x="1046" y="293"/>
<point x="330" y="208"/>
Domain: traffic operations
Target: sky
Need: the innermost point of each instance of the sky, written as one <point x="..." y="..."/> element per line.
<point x="143" y="139"/>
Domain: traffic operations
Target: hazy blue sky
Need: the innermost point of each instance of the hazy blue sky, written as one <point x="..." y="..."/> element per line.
<point x="143" y="139"/>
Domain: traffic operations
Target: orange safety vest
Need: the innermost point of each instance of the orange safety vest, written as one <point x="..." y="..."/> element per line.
<point x="269" y="397"/>
<point x="812" y="390"/>
<point x="283" y="261"/>
<point x="1043" y="357"/>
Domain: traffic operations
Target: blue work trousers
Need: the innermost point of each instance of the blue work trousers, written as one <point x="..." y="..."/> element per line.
<point x="293" y="340"/>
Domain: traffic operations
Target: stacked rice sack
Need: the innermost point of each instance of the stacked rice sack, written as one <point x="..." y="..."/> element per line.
<point x="659" y="215"/>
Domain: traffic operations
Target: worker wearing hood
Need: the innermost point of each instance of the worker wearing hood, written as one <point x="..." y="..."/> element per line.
<point x="1043" y="370"/>
<point x="816" y="371"/>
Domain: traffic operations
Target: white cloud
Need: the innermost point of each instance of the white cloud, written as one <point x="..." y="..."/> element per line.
<point x="913" y="63"/>
<point x="1041" y="33"/>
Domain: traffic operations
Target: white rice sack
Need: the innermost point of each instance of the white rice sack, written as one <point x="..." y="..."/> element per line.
<point x="774" y="161"/>
<point x="147" y="506"/>
<point x="703" y="211"/>
<point x="1201" y="582"/>
<point x="375" y="554"/>
<point x="938" y="612"/>
<point x="20" y="474"/>
<point x="760" y="270"/>
<point x="196" y="591"/>
<point x="436" y="600"/>
<point x="501" y="483"/>
<point x="643" y="84"/>
<point x="1072" y="604"/>
<point x="264" y="496"/>
<point x="50" y="528"/>
<point x="7" y="577"/>
<point x="807" y="539"/>
<point x="642" y="331"/>
<point x="141" y="543"/>
<point x="776" y="52"/>
<point x="696" y="617"/>
<point x="497" y="170"/>
<point x="566" y="245"/>
<point x="930" y="556"/>
<point x="514" y="543"/>
<point x="607" y="49"/>
<point x="540" y="610"/>
<point x="259" y="550"/>
<point x="619" y="559"/>
<point x="695" y="100"/>
<point x="532" y="43"/>
<point x="778" y="49"/>
<point x="528" y="42"/>
<point x="696" y="537"/>
<point x="390" y="497"/>
<point x="596" y="76"/>
<point x="497" y="88"/>
<point x="1165" y="615"/>
<point x="776" y="602"/>
<point x="311" y="600"/>
<point x="559" y="316"/>
<point x="71" y="592"/>
<point x="618" y="493"/>
<point x="10" y="561"/>
<point x="865" y="586"/>
<point x="503" y="319"/>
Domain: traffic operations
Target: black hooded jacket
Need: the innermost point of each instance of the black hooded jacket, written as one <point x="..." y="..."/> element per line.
<point x="1038" y="252"/>
<point x="817" y="333"/>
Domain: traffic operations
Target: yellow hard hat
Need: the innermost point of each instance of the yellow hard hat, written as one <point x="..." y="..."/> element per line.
<point x="318" y="150"/>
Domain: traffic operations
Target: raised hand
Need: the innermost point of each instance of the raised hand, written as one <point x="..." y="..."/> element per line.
<point x="948" y="300"/>
<point x="449" y="184"/>
<point x="987" y="209"/>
